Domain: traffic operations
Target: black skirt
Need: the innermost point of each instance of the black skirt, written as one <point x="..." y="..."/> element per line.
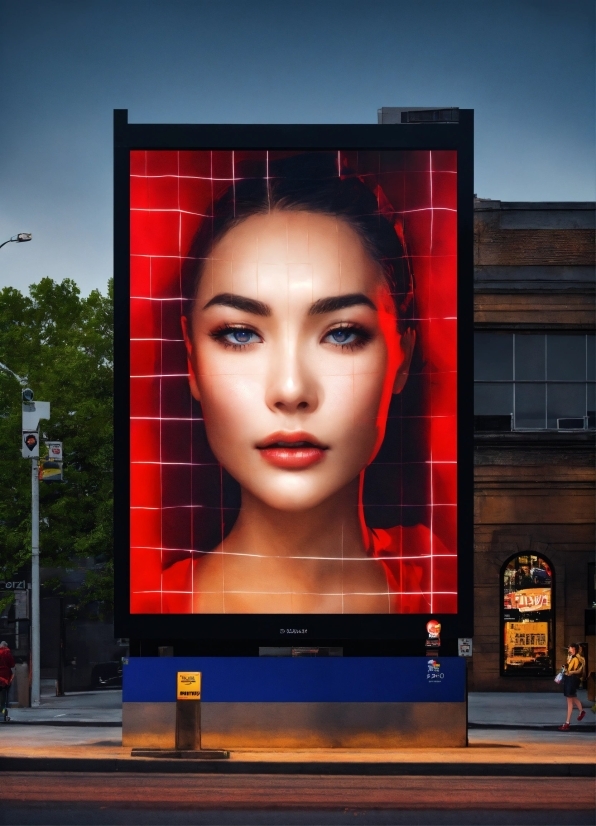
<point x="570" y="685"/>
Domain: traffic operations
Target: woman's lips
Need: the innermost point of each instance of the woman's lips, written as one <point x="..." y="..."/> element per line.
<point x="292" y="451"/>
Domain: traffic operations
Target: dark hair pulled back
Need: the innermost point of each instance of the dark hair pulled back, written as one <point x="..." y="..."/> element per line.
<point x="309" y="182"/>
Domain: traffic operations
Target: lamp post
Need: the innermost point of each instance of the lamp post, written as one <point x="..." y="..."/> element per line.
<point x="32" y="413"/>
<point x="31" y="423"/>
<point x="19" y="238"/>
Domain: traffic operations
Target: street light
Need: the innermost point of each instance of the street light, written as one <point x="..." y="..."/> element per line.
<point x="23" y="382"/>
<point x="19" y="238"/>
<point x="32" y="412"/>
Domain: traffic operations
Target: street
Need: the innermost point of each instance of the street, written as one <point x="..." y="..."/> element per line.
<point x="508" y="775"/>
<point x="92" y="798"/>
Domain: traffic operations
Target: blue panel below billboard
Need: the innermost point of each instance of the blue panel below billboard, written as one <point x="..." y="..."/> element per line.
<point x="300" y="679"/>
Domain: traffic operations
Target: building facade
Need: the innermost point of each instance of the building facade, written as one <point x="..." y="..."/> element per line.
<point x="534" y="440"/>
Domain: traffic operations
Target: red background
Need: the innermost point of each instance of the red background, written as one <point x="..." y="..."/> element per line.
<point x="173" y="486"/>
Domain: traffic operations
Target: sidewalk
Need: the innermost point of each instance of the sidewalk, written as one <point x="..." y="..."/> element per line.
<point x="529" y="710"/>
<point x="82" y="708"/>
<point x="486" y="710"/>
<point x="82" y="732"/>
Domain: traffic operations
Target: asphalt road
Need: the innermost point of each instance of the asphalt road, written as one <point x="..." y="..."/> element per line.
<point x="227" y="800"/>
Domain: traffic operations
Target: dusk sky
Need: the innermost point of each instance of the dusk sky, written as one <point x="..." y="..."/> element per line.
<point x="525" y="66"/>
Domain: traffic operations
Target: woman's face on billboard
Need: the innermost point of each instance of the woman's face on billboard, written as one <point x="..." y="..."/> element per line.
<point x="294" y="353"/>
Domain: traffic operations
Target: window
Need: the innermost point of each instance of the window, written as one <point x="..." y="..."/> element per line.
<point x="541" y="381"/>
<point x="527" y="618"/>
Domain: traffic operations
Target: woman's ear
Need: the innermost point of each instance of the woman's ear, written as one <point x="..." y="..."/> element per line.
<point x="192" y="379"/>
<point x="407" y="344"/>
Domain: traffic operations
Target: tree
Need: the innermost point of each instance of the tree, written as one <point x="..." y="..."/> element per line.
<point x="63" y="345"/>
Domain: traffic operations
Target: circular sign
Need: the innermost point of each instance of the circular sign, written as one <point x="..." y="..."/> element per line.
<point x="433" y="628"/>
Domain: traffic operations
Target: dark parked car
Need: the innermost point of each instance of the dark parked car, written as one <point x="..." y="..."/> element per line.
<point x="107" y="675"/>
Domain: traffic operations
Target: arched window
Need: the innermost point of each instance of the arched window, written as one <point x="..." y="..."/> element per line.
<point x="527" y="616"/>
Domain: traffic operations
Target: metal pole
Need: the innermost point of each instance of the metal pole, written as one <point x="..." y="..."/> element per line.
<point x="35" y="624"/>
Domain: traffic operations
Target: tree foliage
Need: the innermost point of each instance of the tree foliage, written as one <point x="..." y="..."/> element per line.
<point x="62" y="344"/>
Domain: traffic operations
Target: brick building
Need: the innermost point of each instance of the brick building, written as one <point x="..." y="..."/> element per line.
<point x="534" y="439"/>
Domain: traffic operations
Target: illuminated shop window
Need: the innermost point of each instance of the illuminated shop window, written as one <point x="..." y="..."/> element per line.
<point x="527" y="606"/>
<point x="526" y="381"/>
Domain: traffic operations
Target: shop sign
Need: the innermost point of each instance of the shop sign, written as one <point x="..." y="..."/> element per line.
<point x="13" y="585"/>
<point x="531" y="599"/>
<point x="534" y="634"/>
<point x="526" y="644"/>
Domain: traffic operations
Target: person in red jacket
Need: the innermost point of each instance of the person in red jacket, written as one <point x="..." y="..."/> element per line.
<point x="6" y="665"/>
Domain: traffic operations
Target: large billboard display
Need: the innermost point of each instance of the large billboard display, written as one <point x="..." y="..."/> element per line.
<point x="292" y="304"/>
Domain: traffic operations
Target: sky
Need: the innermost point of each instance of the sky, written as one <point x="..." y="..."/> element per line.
<point x="525" y="66"/>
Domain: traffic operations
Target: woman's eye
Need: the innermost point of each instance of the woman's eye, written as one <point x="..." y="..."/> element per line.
<point x="342" y="336"/>
<point x="236" y="336"/>
<point x="241" y="336"/>
<point x="347" y="337"/>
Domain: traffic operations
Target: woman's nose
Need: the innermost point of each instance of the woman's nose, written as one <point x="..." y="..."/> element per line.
<point x="292" y="387"/>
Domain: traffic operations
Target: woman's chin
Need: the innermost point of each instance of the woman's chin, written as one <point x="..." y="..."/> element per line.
<point x="293" y="497"/>
<point x="288" y="503"/>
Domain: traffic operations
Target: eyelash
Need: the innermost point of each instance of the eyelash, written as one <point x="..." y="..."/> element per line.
<point x="362" y="336"/>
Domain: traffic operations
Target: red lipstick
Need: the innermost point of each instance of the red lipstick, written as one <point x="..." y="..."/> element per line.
<point x="292" y="450"/>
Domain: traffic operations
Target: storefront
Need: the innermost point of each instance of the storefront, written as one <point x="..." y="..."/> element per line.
<point x="527" y="616"/>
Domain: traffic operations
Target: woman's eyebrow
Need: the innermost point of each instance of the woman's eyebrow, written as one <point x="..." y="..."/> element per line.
<point x="240" y="302"/>
<point x="339" y="302"/>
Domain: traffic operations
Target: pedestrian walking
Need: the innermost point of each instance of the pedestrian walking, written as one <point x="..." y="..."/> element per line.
<point x="6" y="671"/>
<point x="571" y="677"/>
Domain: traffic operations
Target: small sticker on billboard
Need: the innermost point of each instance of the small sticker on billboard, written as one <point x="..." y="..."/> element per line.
<point x="464" y="647"/>
<point x="433" y="672"/>
<point x="433" y="629"/>
<point x="188" y="685"/>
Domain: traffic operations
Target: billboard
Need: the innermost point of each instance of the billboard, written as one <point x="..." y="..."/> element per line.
<point x="293" y="324"/>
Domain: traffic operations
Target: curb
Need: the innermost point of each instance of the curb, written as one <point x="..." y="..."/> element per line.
<point x="61" y="723"/>
<point x="589" y="727"/>
<point x="160" y="765"/>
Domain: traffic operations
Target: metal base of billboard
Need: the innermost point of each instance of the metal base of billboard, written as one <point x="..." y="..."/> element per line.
<point x="298" y="703"/>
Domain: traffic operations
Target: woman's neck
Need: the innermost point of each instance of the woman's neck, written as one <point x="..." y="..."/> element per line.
<point x="332" y="530"/>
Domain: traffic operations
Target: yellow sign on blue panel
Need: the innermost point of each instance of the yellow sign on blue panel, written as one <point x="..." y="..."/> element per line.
<point x="188" y="685"/>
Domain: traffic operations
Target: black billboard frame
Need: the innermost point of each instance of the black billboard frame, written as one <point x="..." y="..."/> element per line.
<point x="361" y="633"/>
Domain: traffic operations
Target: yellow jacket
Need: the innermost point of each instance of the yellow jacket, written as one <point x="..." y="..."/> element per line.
<point x="574" y="665"/>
